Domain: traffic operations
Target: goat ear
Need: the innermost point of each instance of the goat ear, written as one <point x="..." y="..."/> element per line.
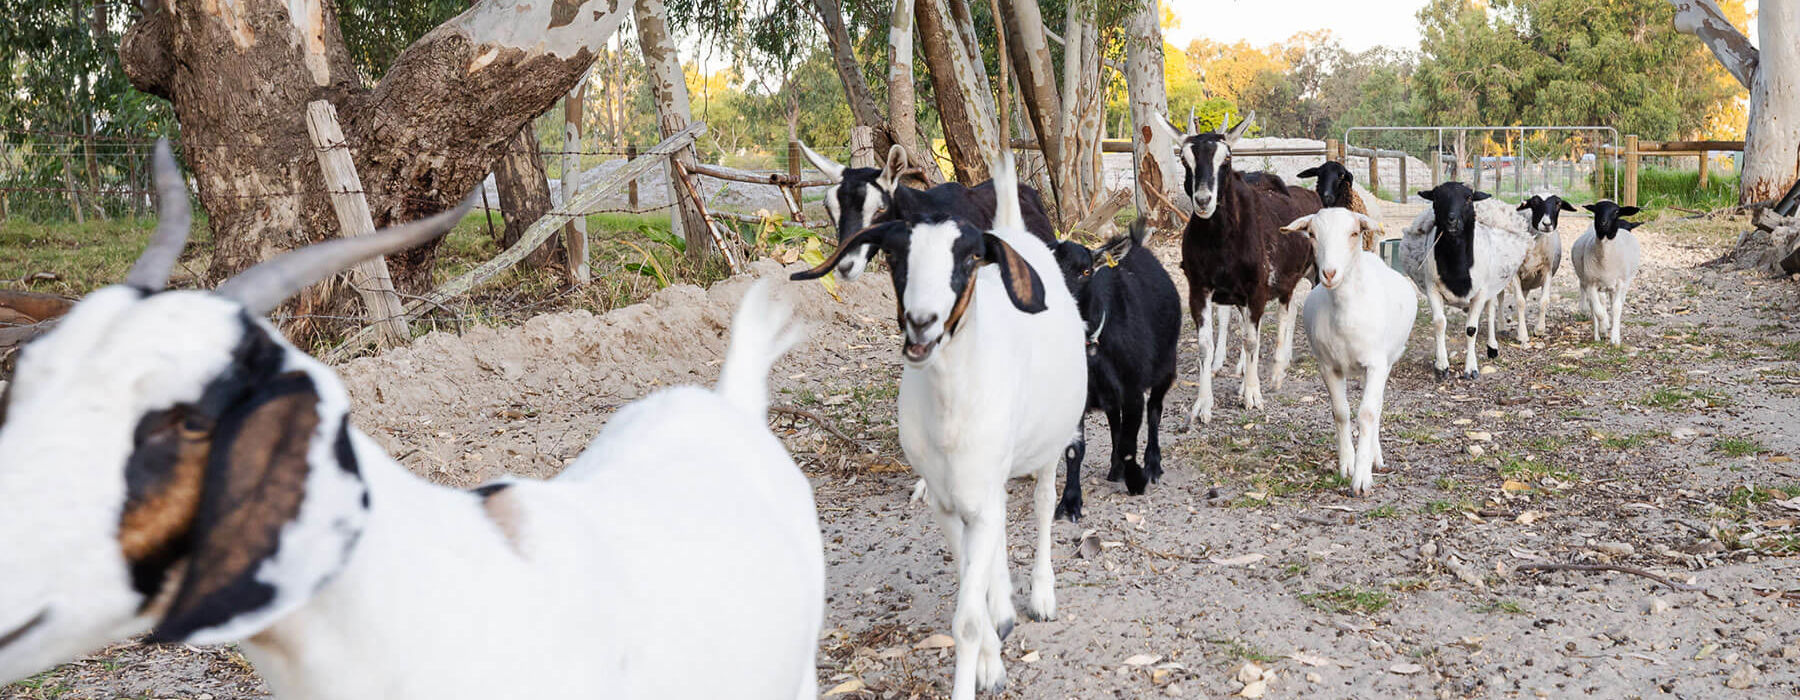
<point x="1480" y="196"/>
<point x="1309" y="172"/>
<point x="1595" y="207"/>
<point x="1366" y="223"/>
<point x="1628" y="211"/>
<point x="831" y="168"/>
<point x="874" y="236"/>
<point x="281" y="507"/>
<point x="1118" y="247"/>
<point x="1022" y="283"/>
<point x="893" y="168"/>
<point x="1162" y="123"/>
<point x="1565" y="206"/>
<point x="1300" y="225"/>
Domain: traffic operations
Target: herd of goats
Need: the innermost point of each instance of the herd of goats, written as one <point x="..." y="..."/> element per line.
<point x="171" y="465"/>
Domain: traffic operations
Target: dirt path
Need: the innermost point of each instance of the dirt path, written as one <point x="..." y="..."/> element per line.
<point x="1666" y="454"/>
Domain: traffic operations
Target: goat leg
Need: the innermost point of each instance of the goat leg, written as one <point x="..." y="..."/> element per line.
<point x="1070" y="506"/>
<point x="1153" y="446"/>
<point x="1124" y="435"/>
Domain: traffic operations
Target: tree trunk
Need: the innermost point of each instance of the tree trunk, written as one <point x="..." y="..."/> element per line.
<point x="1772" y="141"/>
<point x="575" y="241"/>
<point x="522" y="180"/>
<point x="1152" y="153"/>
<point x="843" y="59"/>
<point x="240" y="74"/>
<point x="668" y="85"/>
<point x="1029" y="48"/>
<point x="969" y="127"/>
<point x="902" y="119"/>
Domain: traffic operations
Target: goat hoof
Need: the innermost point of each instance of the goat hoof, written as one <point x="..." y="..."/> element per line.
<point x="1443" y="373"/>
<point x="990" y="672"/>
<point x="1115" y="474"/>
<point x="1005" y="628"/>
<point x="1042" y="606"/>
<point x="1493" y="353"/>
<point x="1471" y="374"/>
<point x="1069" y="508"/>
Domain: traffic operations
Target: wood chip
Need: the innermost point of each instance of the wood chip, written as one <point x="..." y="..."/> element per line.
<point x="1405" y="669"/>
<point x="1240" y="560"/>
<point x="936" y="641"/>
<point x="1142" y="659"/>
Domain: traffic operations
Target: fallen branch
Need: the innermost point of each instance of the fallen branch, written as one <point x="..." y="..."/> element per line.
<point x="1612" y="567"/>
<point x="820" y="421"/>
<point x="1165" y="555"/>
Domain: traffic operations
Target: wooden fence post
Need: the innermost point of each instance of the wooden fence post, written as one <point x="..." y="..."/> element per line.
<point x="1437" y="167"/>
<point x="370" y="278"/>
<point x="1404" y="189"/>
<point x="793" y="160"/>
<point x="1333" y="150"/>
<point x="1704" y="157"/>
<point x="575" y="238"/>
<point x="1374" y="170"/>
<point x="631" y="153"/>
<point x="1631" y="170"/>
<point x="862" y="147"/>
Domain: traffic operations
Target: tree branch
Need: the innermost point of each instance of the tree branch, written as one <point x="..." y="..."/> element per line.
<point x="1702" y="18"/>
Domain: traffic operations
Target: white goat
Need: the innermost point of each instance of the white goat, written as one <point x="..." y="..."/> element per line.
<point x="994" y="388"/>
<point x="172" y="464"/>
<point x="1460" y="261"/>
<point x="1358" y="318"/>
<point x="1606" y="260"/>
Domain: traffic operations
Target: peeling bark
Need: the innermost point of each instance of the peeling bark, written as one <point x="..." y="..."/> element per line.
<point x="901" y="116"/>
<point x="843" y="59"/>
<point x="668" y="85"/>
<point x="521" y="179"/>
<point x="1702" y="18"/>
<point x="1153" y="154"/>
<point x="1772" y="141"/>
<point x="969" y="132"/>
<point x="1029" y="49"/>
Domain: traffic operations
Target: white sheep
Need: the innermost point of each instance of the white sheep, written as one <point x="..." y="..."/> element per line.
<point x="1542" y="259"/>
<point x="1606" y="260"/>
<point x="1460" y="261"/>
<point x="173" y="465"/>
<point x="994" y="387"/>
<point x="1358" y="318"/>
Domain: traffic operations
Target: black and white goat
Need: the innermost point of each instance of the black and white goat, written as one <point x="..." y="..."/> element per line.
<point x="170" y="464"/>
<point x="994" y="386"/>
<point x="863" y="197"/>
<point x="1460" y="261"/>
<point x="1542" y="260"/>
<point x="1133" y="316"/>
<point x="1235" y="255"/>
<point x="1606" y="260"/>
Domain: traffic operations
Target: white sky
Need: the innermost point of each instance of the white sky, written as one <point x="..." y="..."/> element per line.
<point x="1359" y="24"/>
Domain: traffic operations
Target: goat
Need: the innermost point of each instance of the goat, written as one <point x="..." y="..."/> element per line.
<point x="1133" y="317"/>
<point x="1542" y="259"/>
<point x="1358" y="318"/>
<point x="173" y="465"/>
<point x="1235" y="255"/>
<point x="863" y="197"/>
<point x="1606" y="260"/>
<point x="1462" y="262"/>
<point x="1336" y="186"/>
<point x="993" y="387"/>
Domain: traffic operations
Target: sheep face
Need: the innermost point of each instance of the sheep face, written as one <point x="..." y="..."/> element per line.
<point x="1545" y="211"/>
<point x="166" y="464"/>
<point x="1336" y="235"/>
<point x="934" y="264"/>
<point x="859" y="196"/>
<point x="1609" y="218"/>
<point x="1453" y="212"/>
<point x="1206" y="158"/>
<point x="1333" y="185"/>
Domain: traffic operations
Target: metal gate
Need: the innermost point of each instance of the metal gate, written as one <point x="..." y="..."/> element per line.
<point x="1511" y="162"/>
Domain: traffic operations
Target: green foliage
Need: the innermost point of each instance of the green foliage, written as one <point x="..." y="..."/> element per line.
<point x="1738" y="447"/>
<point x="1349" y="600"/>
<point x="377" y="31"/>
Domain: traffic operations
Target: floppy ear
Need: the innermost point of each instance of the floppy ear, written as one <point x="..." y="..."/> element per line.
<point x="1565" y="206"/>
<point x="831" y="168"/>
<point x="1529" y="203"/>
<point x="1366" y="223"/>
<point x="1309" y="172"/>
<point x="1595" y="207"/>
<point x="874" y="236"/>
<point x="1162" y="123"/>
<point x="1300" y="225"/>
<point x="891" y="170"/>
<point x="1628" y="211"/>
<point x="1629" y="225"/>
<point x="1480" y="196"/>
<point x="282" y="506"/>
<point x="1429" y="195"/>
<point x="1022" y="283"/>
<point x="1237" y="132"/>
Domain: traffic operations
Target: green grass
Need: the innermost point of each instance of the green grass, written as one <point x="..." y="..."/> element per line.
<point x="1738" y="447"/>
<point x="1349" y="600"/>
<point x="1382" y="512"/>
<point x="1442" y="507"/>
<point x="1502" y="606"/>
<point x="87" y="257"/>
<point x="1632" y="441"/>
<point x="1669" y="398"/>
<point x="1660" y="188"/>
<point x="1531" y="470"/>
<point x="1240" y="649"/>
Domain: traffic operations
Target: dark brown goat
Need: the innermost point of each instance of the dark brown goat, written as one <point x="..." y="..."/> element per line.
<point x="1235" y="254"/>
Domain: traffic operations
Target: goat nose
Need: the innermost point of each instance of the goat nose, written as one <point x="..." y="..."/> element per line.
<point x="920" y="321"/>
<point x="1329" y="275"/>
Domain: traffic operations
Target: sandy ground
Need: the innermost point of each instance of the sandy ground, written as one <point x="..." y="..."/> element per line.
<point x="1658" y="455"/>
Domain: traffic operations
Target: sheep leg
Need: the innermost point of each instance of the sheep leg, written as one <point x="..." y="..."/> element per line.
<point x="1043" y="579"/>
<point x="1284" y="342"/>
<point x="1251" y="391"/>
<point x="1124" y="436"/>
<point x="1596" y="310"/>
<point x="978" y="664"/>
<point x="1152" y="446"/>
<point x="1493" y="312"/>
<point x="1368" y="423"/>
<point x="1477" y="304"/>
<point x="1070" y="507"/>
<point x="1517" y="293"/>
<point x="1338" y="386"/>
<point x="1441" y="362"/>
<point x="1543" y="306"/>
<point x="1619" y="308"/>
<point x="1203" y="404"/>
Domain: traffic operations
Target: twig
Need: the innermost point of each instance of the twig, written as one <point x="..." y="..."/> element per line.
<point x="1612" y="567"/>
<point x="820" y="421"/>
<point x="1165" y="555"/>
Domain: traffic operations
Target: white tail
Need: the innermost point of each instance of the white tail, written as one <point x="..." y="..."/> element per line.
<point x="1007" y="216"/>
<point x="760" y="334"/>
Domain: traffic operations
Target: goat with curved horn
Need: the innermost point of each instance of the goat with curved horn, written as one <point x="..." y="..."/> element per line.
<point x="264" y="286"/>
<point x="151" y="271"/>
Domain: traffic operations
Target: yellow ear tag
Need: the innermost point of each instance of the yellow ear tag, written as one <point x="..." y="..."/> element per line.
<point x="1108" y="260"/>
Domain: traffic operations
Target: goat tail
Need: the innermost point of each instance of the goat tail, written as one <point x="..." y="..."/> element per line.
<point x="761" y="331"/>
<point x="1007" y="214"/>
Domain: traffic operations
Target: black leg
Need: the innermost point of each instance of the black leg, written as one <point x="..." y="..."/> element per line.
<point x="1153" y="446"/>
<point x="1070" y="506"/>
<point x="1113" y="418"/>
<point x="1124" y="438"/>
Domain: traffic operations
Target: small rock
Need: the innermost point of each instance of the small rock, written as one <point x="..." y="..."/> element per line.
<point x="1428" y="550"/>
<point x="1254" y="689"/>
<point x="1031" y="657"/>
<point x="1405" y="669"/>
<point x="936" y="641"/>
<point x="1480" y="435"/>
<point x="1173" y="690"/>
<point x="1249" y="672"/>
<point x="1790" y="652"/>
<point x="1614" y="549"/>
<point x="1143" y="660"/>
<point x="1684" y="434"/>
<point x="1527" y="413"/>
<point x="1657" y="606"/>
<point x="1476" y="451"/>
<point x="1314" y="678"/>
<point x="1742" y="678"/>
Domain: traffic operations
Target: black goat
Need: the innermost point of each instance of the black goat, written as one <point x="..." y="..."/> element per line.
<point x="1133" y="317"/>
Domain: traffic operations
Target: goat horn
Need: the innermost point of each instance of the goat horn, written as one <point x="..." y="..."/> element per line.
<point x="151" y="271"/>
<point x="1193" y="127"/>
<point x="264" y="286"/>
